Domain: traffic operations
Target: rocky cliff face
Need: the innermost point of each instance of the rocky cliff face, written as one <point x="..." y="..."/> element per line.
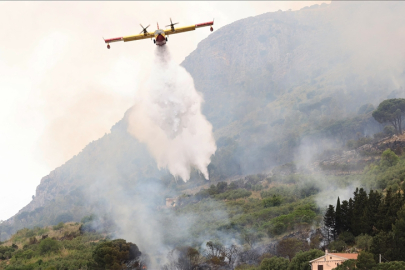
<point x="257" y="60"/>
<point x="268" y="81"/>
<point x="269" y="64"/>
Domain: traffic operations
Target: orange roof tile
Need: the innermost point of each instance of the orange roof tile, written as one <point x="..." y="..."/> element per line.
<point x="347" y="255"/>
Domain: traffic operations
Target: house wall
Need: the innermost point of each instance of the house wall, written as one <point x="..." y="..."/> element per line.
<point x="328" y="263"/>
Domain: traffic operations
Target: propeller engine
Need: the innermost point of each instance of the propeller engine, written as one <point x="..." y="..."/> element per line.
<point x="144" y="31"/>
<point x="172" y="24"/>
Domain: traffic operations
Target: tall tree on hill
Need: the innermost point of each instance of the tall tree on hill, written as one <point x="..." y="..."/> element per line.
<point x="345" y="217"/>
<point x="390" y="111"/>
<point x="388" y="209"/>
<point x="350" y="215"/>
<point x="370" y="216"/>
<point x="399" y="235"/>
<point x="329" y="221"/>
<point x="338" y="218"/>
<point x="360" y="201"/>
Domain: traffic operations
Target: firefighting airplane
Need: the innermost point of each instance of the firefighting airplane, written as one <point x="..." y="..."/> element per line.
<point x="159" y="36"/>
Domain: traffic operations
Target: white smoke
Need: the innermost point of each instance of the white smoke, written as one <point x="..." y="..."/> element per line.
<point x="167" y="118"/>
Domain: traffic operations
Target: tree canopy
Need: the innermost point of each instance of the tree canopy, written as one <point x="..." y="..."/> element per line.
<point x="390" y="111"/>
<point x="274" y="263"/>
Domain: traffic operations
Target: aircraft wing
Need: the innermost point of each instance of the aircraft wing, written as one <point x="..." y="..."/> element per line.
<point x="130" y="38"/>
<point x="187" y="28"/>
<point x="180" y="30"/>
<point x="138" y="37"/>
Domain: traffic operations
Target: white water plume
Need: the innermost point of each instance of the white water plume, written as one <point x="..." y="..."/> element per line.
<point x="167" y="118"/>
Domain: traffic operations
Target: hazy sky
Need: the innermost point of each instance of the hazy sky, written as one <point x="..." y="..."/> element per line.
<point x="61" y="88"/>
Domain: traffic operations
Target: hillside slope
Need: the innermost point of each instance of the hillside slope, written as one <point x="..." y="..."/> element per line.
<point x="275" y="85"/>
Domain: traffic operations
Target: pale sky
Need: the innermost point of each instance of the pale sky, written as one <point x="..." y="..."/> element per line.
<point x="61" y="88"/>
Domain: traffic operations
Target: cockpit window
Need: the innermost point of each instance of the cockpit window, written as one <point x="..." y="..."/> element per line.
<point x="159" y="31"/>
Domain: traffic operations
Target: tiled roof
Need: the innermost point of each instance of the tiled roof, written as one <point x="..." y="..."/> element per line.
<point x="339" y="255"/>
<point x="347" y="255"/>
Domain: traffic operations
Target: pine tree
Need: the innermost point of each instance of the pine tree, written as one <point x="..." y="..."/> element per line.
<point x="350" y="215"/>
<point x="338" y="219"/>
<point x="344" y="216"/>
<point x="329" y="221"/>
<point x="370" y="217"/>
<point x="399" y="235"/>
<point x="385" y="212"/>
<point x="360" y="201"/>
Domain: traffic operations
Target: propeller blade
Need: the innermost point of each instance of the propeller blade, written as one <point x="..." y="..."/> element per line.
<point x="171" y="23"/>
<point x="143" y="29"/>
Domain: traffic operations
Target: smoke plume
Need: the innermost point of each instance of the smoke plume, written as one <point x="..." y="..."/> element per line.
<point x="167" y="118"/>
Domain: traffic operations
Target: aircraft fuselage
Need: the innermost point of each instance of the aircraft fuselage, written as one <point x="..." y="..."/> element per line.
<point x="160" y="37"/>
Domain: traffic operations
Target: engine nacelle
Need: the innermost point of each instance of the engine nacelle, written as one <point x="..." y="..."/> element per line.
<point x="108" y="46"/>
<point x="211" y="29"/>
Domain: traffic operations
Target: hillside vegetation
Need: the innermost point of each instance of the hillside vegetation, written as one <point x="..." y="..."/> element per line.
<point x="66" y="246"/>
<point x="260" y="209"/>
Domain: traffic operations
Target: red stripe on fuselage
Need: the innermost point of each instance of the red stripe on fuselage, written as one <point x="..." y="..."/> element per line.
<point x="112" y="39"/>
<point x="204" y="24"/>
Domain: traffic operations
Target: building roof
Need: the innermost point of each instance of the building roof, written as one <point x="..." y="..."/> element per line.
<point x="352" y="256"/>
<point x="344" y="256"/>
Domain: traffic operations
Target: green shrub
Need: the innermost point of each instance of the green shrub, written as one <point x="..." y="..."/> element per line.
<point x="365" y="261"/>
<point x="272" y="201"/>
<point x="301" y="260"/>
<point x="389" y="158"/>
<point x="246" y="267"/>
<point x="364" y="241"/>
<point x="395" y="265"/>
<point x="347" y="265"/>
<point x="30" y="233"/>
<point x="274" y="263"/>
<point x="48" y="245"/>
<point x="27" y="254"/>
<point x="347" y="237"/>
<point x="337" y="245"/>
<point x="59" y="226"/>
<point x="277" y="229"/>
<point x="111" y="253"/>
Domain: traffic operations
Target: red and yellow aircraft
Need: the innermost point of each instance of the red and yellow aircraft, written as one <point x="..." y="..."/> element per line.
<point x="159" y="36"/>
